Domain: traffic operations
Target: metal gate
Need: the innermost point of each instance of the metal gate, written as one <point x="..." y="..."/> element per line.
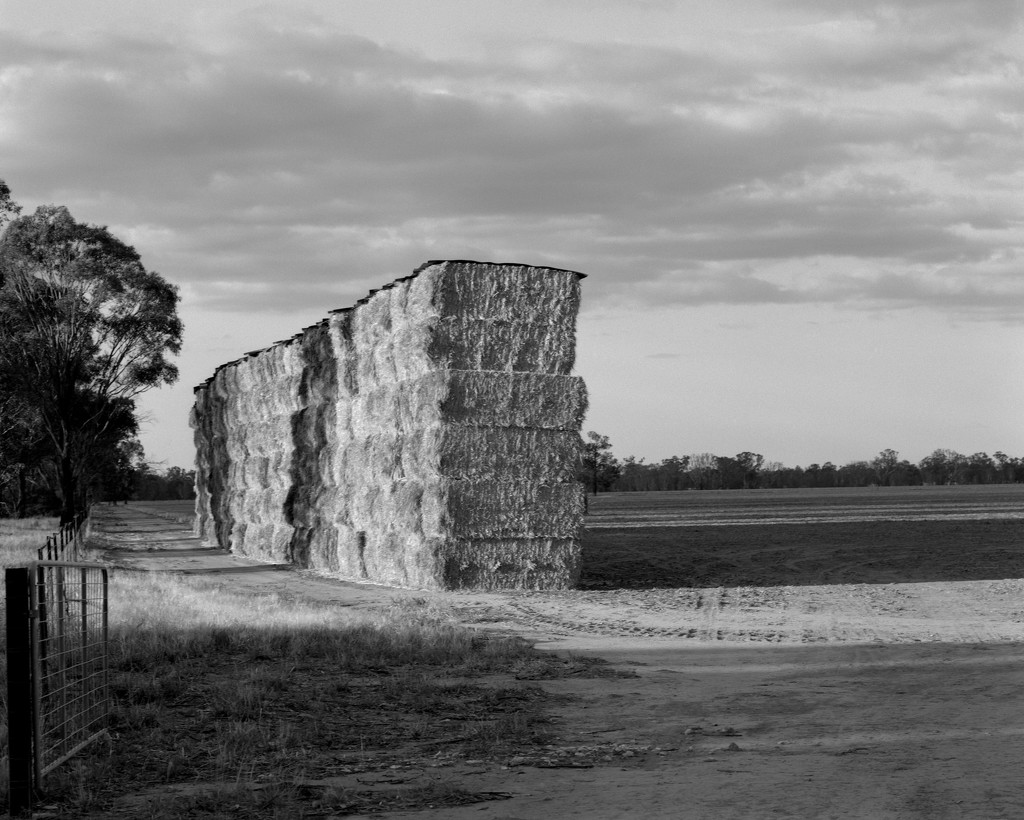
<point x="57" y="668"/>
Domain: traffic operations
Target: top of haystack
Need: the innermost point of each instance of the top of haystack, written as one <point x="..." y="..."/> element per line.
<point x="433" y="262"/>
<point x="429" y="264"/>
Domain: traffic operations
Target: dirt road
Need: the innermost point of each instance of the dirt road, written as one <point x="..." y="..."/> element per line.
<point x="882" y="700"/>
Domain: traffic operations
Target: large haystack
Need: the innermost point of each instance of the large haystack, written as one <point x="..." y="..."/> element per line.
<point x="426" y="437"/>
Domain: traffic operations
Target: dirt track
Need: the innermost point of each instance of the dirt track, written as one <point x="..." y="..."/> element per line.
<point x="842" y="700"/>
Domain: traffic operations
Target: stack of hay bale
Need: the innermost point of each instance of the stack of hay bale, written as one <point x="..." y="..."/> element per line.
<point x="242" y="419"/>
<point x="427" y="437"/>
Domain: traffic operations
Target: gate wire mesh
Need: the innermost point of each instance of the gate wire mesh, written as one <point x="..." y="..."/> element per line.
<point x="69" y="655"/>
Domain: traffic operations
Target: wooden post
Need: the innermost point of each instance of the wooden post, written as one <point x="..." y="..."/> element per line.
<point x="19" y="690"/>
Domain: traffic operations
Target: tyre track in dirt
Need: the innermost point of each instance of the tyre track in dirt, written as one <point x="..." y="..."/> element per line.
<point x="964" y="612"/>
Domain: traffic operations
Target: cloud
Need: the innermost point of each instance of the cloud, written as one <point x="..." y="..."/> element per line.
<point x="863" y="159"/>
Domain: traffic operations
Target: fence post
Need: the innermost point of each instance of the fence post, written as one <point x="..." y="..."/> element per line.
<point x="84" y="592"/>
<point x="19" y="690"/>
<point x="39" y="589"/>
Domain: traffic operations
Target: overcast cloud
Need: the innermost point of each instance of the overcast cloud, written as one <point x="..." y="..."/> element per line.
<point x="876" y="155"/>
<point x="860" y="156"/>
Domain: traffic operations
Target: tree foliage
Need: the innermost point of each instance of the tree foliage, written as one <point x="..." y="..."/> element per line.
<point x="174" y="484"/>
<point x="117" y="470"/>
<point x="23" y="479"/>
<point x="84" y="329"/>
<point x="599" y="469"/>
<point x="9" y="209"/>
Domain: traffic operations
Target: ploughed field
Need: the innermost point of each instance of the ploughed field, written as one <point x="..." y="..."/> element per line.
<point x="735" y="538"/>
<point x="885" y="565"/>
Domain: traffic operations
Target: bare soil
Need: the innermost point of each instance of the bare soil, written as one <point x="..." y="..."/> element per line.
<point x="804" y="655"/>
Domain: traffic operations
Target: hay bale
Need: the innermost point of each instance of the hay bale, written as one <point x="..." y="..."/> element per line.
<point x="466" y="452"/>
<point x="426" y="437"/>
<point x="505" y="345"/>
<point x="534" y="563"/>
<point x="515" y="400"/>
<point x="487" y="291"/>
<point x="514" y="509"/>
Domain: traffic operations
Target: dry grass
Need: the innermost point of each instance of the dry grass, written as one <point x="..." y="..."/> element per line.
<point x="229" y="704"/>
<point x="20" y="538"/>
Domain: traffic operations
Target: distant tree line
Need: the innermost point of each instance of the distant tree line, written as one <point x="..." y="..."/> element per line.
<point x="601" y="471"/>
<point x="173" y="484"/>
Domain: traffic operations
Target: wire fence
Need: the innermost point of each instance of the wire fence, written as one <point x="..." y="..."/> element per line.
<point x="58" y="668"/>
<point x="66" y="544"/>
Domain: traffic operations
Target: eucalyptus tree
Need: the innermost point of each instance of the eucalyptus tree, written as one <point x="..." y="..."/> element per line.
<point x="751" y="464"/>
<point x="84" y="329"/>
<point x="703" y="469"/>
<point x="599" y="468"/>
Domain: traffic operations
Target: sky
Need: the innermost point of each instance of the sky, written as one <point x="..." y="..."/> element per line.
<point x="802" y="221"/>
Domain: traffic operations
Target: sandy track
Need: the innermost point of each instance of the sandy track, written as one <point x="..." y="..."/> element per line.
<point x="861" y="700"/>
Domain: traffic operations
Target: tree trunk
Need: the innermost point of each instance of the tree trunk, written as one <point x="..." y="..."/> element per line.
<point x="68" y="488"/>
<point x="19" y="509"/>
